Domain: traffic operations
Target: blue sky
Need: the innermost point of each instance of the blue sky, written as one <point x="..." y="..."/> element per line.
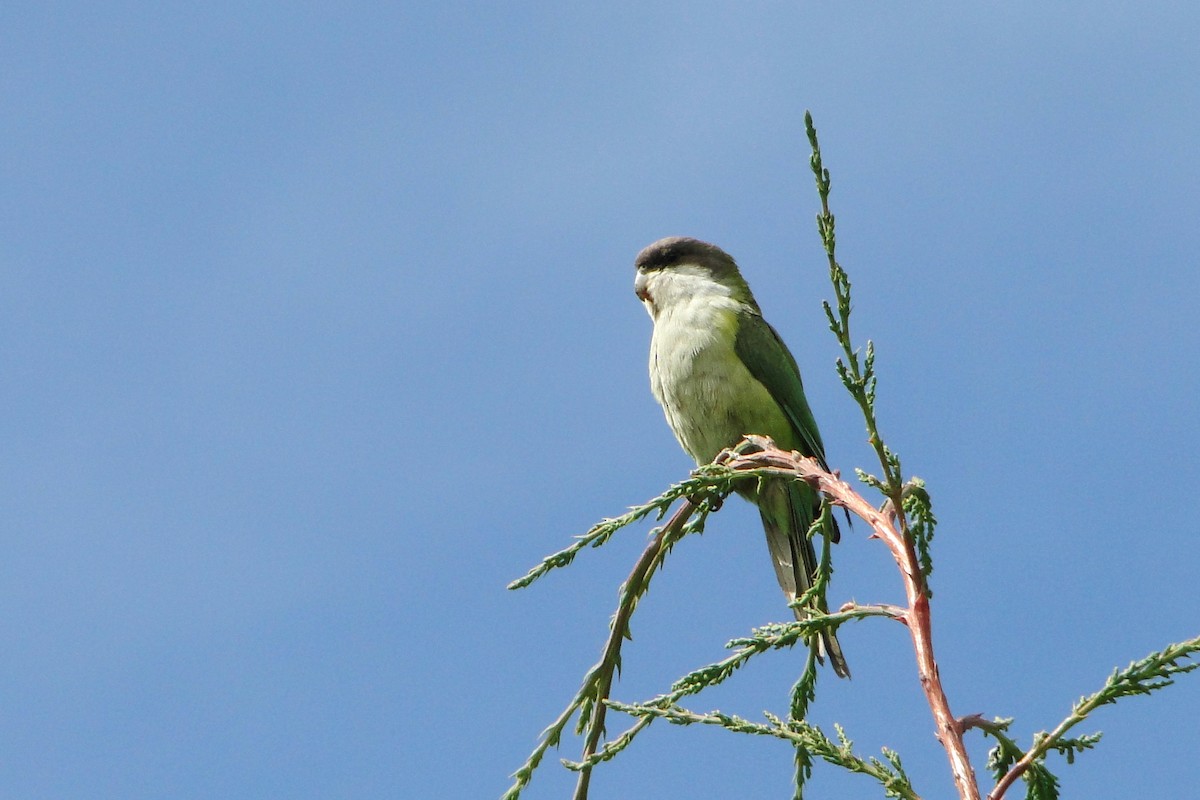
<point x="318" y="328"/>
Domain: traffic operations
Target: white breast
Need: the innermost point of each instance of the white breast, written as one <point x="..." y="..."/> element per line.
<point x="709" y="397"/>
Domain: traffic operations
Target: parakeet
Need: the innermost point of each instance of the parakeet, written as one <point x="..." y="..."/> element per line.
<point x="719" y="371"/>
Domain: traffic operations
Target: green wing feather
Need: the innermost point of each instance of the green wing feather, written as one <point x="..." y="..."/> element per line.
<point x="771" y="363"/>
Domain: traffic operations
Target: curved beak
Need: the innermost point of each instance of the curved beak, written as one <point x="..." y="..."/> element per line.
<point x="641" y="287"/>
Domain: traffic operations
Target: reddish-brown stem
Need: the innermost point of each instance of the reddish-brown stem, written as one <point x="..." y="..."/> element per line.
<point x="949" y="731"/>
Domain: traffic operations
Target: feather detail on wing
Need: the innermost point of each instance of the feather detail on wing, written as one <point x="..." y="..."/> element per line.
<point x="768" y="359"/>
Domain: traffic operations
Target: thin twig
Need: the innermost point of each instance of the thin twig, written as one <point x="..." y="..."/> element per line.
<point x="603" y="673"/>
<point x="797" y="731"/>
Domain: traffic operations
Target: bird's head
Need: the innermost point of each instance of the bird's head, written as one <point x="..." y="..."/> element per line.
<point x="679" y="269"/>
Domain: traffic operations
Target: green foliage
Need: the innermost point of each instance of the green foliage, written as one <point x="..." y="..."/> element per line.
<point x="858" y="375"/>
<point x="1155" y="671"/>
<point x="919" y="508"/>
